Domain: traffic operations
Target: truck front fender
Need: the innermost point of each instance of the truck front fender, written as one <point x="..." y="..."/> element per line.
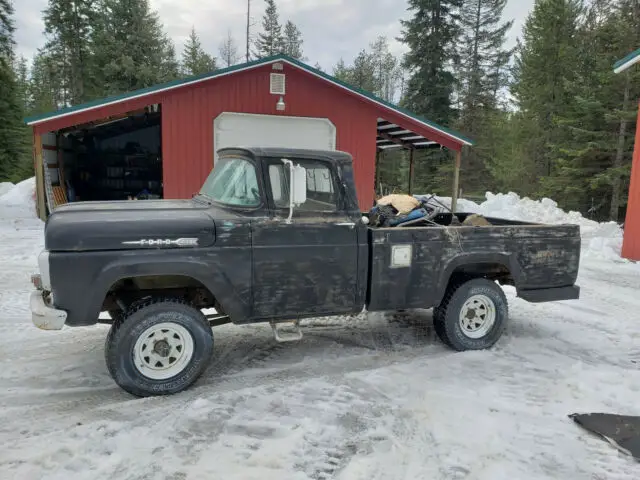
<point x="214" y="279"/>
<point x="81" y="291"/>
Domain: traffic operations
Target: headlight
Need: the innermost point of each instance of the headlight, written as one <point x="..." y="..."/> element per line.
<point x="43" y="265"/>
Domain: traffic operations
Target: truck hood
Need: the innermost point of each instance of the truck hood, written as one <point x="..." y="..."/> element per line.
<point x="124" y="225"/>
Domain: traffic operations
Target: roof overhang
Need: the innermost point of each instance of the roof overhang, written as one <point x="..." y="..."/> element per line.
<point x="391" y="136"/>
<point x="452" y="137"/>
<point x="627" y="62"/>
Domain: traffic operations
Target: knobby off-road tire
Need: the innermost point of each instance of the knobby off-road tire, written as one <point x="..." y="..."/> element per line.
<point x="472" y="316"/>
<point x="160" y="347"/>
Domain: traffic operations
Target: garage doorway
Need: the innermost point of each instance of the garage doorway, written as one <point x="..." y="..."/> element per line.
<point x="232" y="129"/>
<point x="116" y="158"/>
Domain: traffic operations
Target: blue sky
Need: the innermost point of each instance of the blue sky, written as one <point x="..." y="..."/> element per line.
<point x="331" y="28"/>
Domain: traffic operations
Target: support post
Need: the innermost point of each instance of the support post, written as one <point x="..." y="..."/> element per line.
<point x="38" y="165"/>
<point x="377" y="181"/>
<point x="411" y="152"/>
<point x="456" y="182"/>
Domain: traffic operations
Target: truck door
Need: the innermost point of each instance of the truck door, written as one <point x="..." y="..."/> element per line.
<point x="310" y="265"/>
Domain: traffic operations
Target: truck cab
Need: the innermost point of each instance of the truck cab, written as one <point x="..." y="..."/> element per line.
<point x="276" y="235"/>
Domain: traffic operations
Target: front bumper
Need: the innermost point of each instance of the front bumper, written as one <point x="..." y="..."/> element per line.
<point x="43" y="315"/>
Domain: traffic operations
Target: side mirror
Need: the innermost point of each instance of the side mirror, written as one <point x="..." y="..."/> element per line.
<point x="298" y="185"/>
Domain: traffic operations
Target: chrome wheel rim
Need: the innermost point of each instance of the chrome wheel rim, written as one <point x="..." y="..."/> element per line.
<point x="477" y="316"/>
<point x="163" y="351"/>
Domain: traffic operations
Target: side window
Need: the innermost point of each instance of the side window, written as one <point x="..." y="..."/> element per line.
<point x="279" y="179"/>
<point x="321" y="193"/>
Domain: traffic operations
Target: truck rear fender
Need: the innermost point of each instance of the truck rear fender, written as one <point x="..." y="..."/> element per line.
<point x="477" y="262"/>
<point x="214" y="280"/>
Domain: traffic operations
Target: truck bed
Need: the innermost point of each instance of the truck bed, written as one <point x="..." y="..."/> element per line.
<point x="539" y="260"/>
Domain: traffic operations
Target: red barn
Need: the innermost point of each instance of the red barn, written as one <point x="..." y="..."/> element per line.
<point x="162" y="140"/>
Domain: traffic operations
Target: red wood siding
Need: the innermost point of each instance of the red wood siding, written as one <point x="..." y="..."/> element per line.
<point x="188" y="115"/>
<point x="631" y="243"/>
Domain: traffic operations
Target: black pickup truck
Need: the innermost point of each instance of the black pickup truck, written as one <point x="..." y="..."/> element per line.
<point x="276" y="235"/>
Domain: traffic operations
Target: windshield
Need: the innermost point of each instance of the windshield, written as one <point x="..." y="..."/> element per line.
<point x="233" y="181"/>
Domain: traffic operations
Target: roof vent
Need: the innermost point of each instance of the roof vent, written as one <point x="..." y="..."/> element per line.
<point x="277" y="84"/>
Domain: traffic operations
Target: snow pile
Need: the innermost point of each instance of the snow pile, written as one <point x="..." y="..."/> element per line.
<point x="599" y="240"/>
<point x="18" y="201"/>
<point x="5" y="187"/>
<point x="603" y="240"/>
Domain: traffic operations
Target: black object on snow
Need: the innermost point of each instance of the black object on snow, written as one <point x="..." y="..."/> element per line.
<point x="620" y="430"/>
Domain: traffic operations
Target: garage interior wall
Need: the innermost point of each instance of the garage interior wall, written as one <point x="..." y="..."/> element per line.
<point x="108" y="159"/>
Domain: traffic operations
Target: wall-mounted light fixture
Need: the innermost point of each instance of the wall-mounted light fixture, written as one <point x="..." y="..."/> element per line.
<point x="280" y="105"/>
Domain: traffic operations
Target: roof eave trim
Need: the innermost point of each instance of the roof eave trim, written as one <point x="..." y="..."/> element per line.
<point x="627" y="65"/>
<point x="124" y="98"/>
<point x="627" y="62"/>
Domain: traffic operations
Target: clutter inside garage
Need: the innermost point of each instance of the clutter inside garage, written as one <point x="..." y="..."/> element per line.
<point x="112" y="159"/>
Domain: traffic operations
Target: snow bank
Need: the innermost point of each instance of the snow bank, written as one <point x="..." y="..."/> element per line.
<point x="599" y="240"/>
<point x="5" y="187"/>
<point x="18" y="201"/>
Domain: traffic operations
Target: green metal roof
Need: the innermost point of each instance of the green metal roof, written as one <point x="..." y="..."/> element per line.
<point x="237" y="68"/>
<point x="623" y="64"/>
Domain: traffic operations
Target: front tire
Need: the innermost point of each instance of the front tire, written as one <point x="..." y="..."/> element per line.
<point x="159" y="348"/>
<point x="472" y="316"/>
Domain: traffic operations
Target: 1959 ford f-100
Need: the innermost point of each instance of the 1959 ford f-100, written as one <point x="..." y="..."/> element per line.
<point x="276" y="235"/>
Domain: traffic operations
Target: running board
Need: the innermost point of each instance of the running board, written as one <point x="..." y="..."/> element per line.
<point x="294" y="336"/>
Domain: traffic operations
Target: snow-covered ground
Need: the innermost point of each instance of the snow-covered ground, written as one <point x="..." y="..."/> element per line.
<point x="365" y="398"/>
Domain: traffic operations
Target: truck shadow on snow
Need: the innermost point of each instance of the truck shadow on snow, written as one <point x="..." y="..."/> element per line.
<point x="328" y="346"/>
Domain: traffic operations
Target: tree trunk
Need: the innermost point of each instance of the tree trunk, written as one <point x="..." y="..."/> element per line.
<point x="617" y="162"/>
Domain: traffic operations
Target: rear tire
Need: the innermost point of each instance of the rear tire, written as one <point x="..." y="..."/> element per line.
<point x="160" y="348"/>
<point x="472" y="316"/>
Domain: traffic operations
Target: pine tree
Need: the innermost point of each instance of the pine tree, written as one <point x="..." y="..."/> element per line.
<point x="43" y="86"/>
<point x="22" y="81"/>
<point x="270" y="41"/>
<point x="194" y="59"/>
<point x="593" y="134"/>
<point x="229" y="51"/>
<point x="545" y="65"/>
<point x="68" y="27"/>
<point x="481" y="78"/>
<point x="363" y="72"/>
<point x="169" y="65"/>
<point x="131" y="48"/>
<point x="14" y="159"/>
<point x="387" y="69"/>
<point x="292" y="41"/>
<point x="341" y="71"/>
<point x="6" y="33"/>
<point x="628" y="14"/>
<point x="431" y="35"/>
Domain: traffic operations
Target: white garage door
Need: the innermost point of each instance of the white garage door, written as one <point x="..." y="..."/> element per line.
<point x="250" y="130"/>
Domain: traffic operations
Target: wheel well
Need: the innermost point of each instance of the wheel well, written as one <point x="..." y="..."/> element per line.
<point x="492" y="271"/>
<point x="127" y="291"/>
